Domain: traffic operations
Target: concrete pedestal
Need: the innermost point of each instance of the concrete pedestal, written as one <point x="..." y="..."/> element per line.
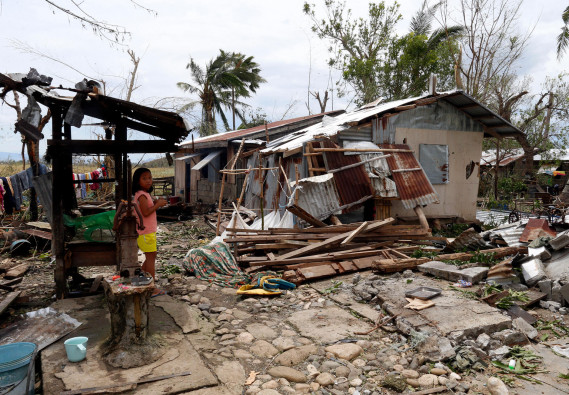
<point x="130" y="316"/>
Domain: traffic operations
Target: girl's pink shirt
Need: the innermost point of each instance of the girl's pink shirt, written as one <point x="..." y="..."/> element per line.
<point x="150" y="222"/>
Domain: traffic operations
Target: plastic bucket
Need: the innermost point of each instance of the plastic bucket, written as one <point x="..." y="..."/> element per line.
<point x="15" y="359"/>
<point x="76" y="348"/>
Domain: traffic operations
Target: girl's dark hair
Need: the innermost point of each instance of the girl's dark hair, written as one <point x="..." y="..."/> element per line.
<point x="136" y="180"/>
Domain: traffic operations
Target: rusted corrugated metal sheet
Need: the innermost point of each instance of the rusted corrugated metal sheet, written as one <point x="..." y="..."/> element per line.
<point x="413" y="185"/>
<point x="353" y="184"/>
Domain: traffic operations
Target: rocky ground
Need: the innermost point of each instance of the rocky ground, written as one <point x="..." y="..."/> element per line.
<point x="308" y="341"/>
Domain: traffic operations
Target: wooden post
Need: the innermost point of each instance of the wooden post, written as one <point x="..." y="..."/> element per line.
<point x="243" y="190"/>
<point x="58" y="230"/>
<point x="422" y="219"/>
<point x="284" y="174"/>
<point x="297" y="176"/>
<point x="262" y="192"/>
<point x="496" y="169"/>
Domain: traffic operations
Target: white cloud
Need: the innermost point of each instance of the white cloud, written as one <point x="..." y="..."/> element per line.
<point x="276" y="33"/>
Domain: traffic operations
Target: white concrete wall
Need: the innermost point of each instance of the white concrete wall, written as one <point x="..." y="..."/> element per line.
<point x="458" y="197"/>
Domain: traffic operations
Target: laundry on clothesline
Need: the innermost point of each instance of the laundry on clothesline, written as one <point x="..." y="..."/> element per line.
<point x="13" y="187"/>
<point x="81" y="189"/>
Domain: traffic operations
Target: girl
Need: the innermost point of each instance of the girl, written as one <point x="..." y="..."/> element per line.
<point x="141" y="187"/>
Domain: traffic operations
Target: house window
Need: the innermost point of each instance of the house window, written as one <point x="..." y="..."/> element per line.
<point x="434" y="160"/>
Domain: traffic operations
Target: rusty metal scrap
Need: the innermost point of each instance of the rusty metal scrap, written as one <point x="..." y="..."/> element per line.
<point x="414" y="187"/>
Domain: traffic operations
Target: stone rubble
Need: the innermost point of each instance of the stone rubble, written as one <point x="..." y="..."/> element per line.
<point x="257" y="334"/>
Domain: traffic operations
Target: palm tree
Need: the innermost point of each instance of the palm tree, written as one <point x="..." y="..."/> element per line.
<point x="563" y="38"/>
<point x="248" y="72"/>
<point x="421" y="24"/>
<point x="225" y="79"/>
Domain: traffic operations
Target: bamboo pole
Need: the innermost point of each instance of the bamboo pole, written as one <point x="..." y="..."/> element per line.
<point x="242" y="191"/>
<point x="358" y="164"/>
<point x="284" y="174"/>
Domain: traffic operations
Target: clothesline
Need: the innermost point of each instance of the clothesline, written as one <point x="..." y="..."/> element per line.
<point x="12" y="188"/>
<point x="81" y="187"/>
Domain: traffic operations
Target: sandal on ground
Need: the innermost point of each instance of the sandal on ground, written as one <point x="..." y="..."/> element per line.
<point x="160" y="292"/>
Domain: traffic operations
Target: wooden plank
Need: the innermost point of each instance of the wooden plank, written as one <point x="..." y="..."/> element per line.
<point x="252" y="261"/>
<point x="316" y="272"/>
<point x="334" y="240"/>
<point x="96" y="284"/>
<point x="278" y="246"/>
<point x="7" y="264"/>
<point x="9" y="285"/>
<point x="354" y="233"/>
<point x="8" y="300"/>
<point x="292" y="152"/>
<point x="38" y="233"/>
<point x="307" y="264"/>
<point x="17" y="271"/>
<point x="356" y="164"/>
<point x="392" y="266"/>
<point x="301" y="213"/>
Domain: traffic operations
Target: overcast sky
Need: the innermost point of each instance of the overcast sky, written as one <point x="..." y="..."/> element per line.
<point x="276" y="33"/>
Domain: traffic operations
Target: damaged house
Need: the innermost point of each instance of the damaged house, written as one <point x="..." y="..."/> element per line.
<point x="198" y="161"/>
<point x="397" y="159"/>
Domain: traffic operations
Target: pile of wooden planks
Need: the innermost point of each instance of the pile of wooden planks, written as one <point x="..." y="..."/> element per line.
<point x="322" y="251"/>
<point x="11" y="275"/>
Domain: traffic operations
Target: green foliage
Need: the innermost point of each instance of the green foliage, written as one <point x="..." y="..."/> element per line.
<point x="556" y="327"/>
<point x="527" y="362"/>
<point x="410" y="61"/>
<point x="451" y="230"/>
<point x="508" y="301"/>
<point x="335" y="287"/>
<point x="253" y="118"/>
<point x="168" y="270"/>
<point x="420" y="253"/>
<point x="356" y="44"/>
<point x="374" y="61"/>
<point x="486" y="259"/>
<point x="489" y="290"/>
<point x="465" y="293"/>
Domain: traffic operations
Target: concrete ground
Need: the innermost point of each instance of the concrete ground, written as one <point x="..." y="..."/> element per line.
<point x="302" y="342"/>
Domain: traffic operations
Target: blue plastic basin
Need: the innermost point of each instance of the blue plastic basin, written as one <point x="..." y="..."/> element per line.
<point x="14" y="361"/>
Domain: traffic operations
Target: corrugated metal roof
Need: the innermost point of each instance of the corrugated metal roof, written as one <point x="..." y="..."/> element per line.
<point x="317" y="195"/>
<point x="211" y="156"/>
<point x="459" y="99"/>
<point x="245" y="132"/>
<point x="413" y="186"/>
<point x="164" y="124"/>
<point x="489" y="157"/>
<point x="353" y="184"/>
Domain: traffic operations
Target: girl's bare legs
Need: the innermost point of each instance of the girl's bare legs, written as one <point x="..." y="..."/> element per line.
<point x="149" y="266"/>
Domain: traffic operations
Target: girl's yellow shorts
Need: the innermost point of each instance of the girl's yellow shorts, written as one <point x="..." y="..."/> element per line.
<point x="147" y="242"/>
